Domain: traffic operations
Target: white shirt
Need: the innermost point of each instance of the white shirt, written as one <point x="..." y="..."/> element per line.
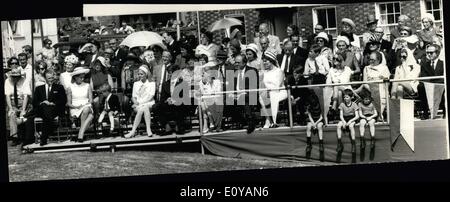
<point x="286" y="59"/>
<point x="241" y="77"/>
<point x="323" y="67"/>
<point x="435" y="61"/>
<point x="144" y="92"/>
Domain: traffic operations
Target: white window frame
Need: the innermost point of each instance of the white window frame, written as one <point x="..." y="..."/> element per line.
<point x="245" y="20"/>
<point x="38" y="25"/>
<point x="423" y="11"/>
<point x="378" y="14"/>
<point x="316" y="21"/>
<point x="19" y="31"/>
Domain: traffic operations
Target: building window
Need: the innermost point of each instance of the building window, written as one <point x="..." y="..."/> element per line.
<point x="87" y="19"/>
<point x="387" y="13"/>
<point x="36" y="27"/>
<point x="326" y="16"/>
<point x="240" y="27"/>
<point x="16" y="28"/>
<point x="434" y="7"/>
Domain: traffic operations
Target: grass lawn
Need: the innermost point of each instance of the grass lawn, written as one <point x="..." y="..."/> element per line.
<point x="159" y="160"/>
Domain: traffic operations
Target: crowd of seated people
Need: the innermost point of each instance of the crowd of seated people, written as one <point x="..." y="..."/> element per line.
<point x="163" y="87"/>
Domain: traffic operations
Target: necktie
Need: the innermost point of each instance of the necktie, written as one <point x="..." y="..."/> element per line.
<point x="16" y="97"/>
<point x="286" y="64"/>
<point x="48" y="91"/>
<point x="432" y="64"/>
<point x="106" y="103"/>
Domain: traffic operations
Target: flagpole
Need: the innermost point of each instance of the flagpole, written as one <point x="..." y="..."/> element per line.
<point x="32" y="58"/>
<point x="198" y="27"/>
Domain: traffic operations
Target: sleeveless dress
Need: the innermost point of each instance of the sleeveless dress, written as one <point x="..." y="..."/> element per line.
<point x="80" y="96"/>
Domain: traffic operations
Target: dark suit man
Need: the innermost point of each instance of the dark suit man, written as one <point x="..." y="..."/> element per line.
<point x="173" y="46"/>
<point x="432" y="66"/>
<point x="288" y="61"/>
<point x="299" y="51"/>
<point x="247" y="78"/>
<point x="318" y="29"/>
<point x="48" y="102"/>
<point x="171" y="106"/>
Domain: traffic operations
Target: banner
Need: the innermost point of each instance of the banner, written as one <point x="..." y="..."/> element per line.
<point x="402" y="120"/>
<point x="434" y="93"/>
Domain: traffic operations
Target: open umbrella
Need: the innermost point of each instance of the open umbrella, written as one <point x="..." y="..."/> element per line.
<point x="143" y="38"/>
<point x="225" y="23"/>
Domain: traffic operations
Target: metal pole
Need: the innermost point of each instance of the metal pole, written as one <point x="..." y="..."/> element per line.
<point x="42" y="32"/>
<point x="178" y="26"/>
<point x="386" y="86"/>
<point x="198" y="27"/>
<point x="291" y="121"/>
<point x="32" y="58"/>
<point x="200" y="123"/>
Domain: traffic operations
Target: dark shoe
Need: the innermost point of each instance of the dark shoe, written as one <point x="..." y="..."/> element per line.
<point x="219" y="130"/>
<point x="250" y="129"/>
<point x="43" y="143"/>
<point x="274" y="126"/>
<point x="372" y="143"/>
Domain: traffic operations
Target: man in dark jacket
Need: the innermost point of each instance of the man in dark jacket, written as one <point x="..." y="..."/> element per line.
<point x="432" y="66"/>
<point x="48" y="102"/>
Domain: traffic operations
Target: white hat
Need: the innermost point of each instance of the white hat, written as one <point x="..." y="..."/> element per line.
<point x="428" y="16"/>
<point x="344" y="39"/>
<point x="80" y="70"/>
<point x="234" y="32"/>
<point x="271" y="55"/>
<point x="322" y="35"/>
<point x="253" y="47"/>
<point x="102" y="60"/>
<point x="349" y="21"/>
<point x="144" y="68"/>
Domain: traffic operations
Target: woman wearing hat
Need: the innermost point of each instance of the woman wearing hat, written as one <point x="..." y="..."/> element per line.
<point x="79" y="99"/>
<point x="207" y="46"/>
<point x="251" y="52"/>
<point x="427" y="34"/>
<point x="372" y="46"/>
<point x="348" y="26"/>
<point x="99" y="76"/>
<point x="17" y="93"/>
<point x="343" y="48"/>
<point x="408" y="69"/>
<point x="273" y="79"/>
<point x="143" y="99"/>
<point x="65" y="78"/>
<point x="322" y="40"/>
<point x="237" y="34"/>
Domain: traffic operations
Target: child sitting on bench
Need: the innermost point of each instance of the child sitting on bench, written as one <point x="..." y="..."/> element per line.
<point x="110" y="104"/>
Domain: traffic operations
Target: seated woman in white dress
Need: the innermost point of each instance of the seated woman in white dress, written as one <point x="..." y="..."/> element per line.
<point x="79" y="100"/>
<point x="408" y="69"/>
<point x="143" y="98"/>
<point x="273" y="79"/>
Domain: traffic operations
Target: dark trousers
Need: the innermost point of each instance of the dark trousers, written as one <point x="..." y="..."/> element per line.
<point x="48" y="114"/>
<point x="167" y="113"/>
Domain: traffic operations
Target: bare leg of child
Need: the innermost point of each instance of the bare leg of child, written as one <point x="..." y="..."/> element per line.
<point x="101" y="117"/>
<point x="111" y="120"/>
<point x="362" y="130"/>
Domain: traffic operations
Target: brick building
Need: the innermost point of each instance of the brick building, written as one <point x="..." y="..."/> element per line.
<point x="329" y="15"/>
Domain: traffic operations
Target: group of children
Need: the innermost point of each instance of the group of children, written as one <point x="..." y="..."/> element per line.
<point x="363" y="112"/>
